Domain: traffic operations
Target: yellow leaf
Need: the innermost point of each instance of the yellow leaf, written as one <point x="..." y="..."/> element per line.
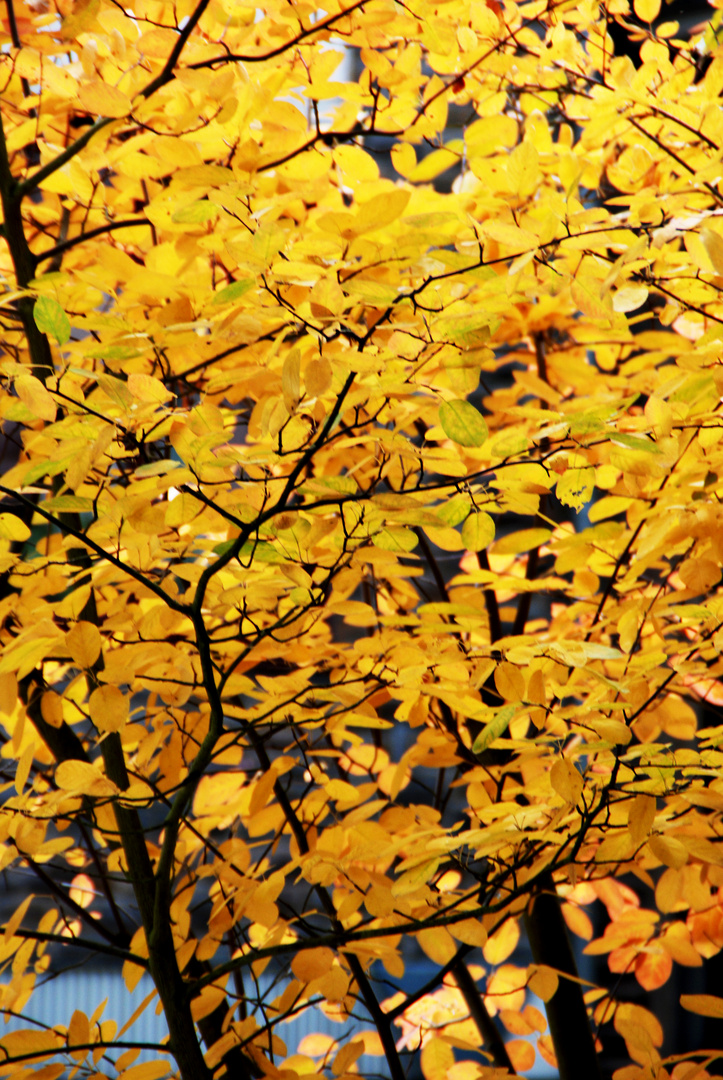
<point x="668" y="850"/>
<point x="587" y="296"/>
<point x="16" y="918"/>
<point x="78" y="1032"/>
<point x="578" y="921"/>
<point x="158" y="42"/>
<point x="478" y="531"/>
<point x="413" y="879"/>
<point x="630" y="297"/>
<point x="522" y="1054"/>
<point x="51" y="708"/>
<point x="84" y="643"/>
<point x="148" y="389"/>
<point x="317" y="377"/>
<point x="523" y="167"/>
<point x="523" y="540"/>
<point x="108" y="707"/>
<point x="647" y="10"/>
<point x="699" y="574"/>
<point x="82" y="890"/>
<point x="382" y="210"/>
<point x="207" y="1001"/>
<point x="317" y="1044"/>
<point x="542" y="981"/>
<point x="469" y="932"/>
<point x="290" y="380"/>
<point x="575" y="487"/>
<point x="713" y="244"/>
<point x="100" y="99"/>
<point x="640" y="818"/>
<point x="462" y="423"/>
<point x="149" y="1070"/>
<point x="510" y="681"/>
<point x="502" y="943"/>
<point x="82" y="776"/>
<point x="566" y="780"/>
<point x="28" y="1041"/>
<point x="437" y="1059"/>
<point x="13" y="528"/>
<point x="612" y="731"/>
<point x="432" y="165"/>
<point x="404" y="159"/>
<point x="23" y="768"/>
<point x="312" y="964"/>
<point x="703" y="1005"/>
<point x="346" y="1057"/>
<point x="33" y="394"/>
<point x="438" y="945"/>
<point x="638" y="1017"/>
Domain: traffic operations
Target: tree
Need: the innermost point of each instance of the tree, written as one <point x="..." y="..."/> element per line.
<point x="361" y="539"/>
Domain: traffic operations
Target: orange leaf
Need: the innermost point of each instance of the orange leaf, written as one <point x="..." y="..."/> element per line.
<point x="108" y="707"/>
<point x="542" y="981"/>
<point x="522" y="1054"/>
<point x="703" y="1005"/>
<point x="546" y="1050"/>
<point x="653" y="969"/>
<point x="578" y="921"/>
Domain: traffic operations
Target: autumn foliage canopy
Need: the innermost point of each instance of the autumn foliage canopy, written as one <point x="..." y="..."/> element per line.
<point x="361" y="532"/>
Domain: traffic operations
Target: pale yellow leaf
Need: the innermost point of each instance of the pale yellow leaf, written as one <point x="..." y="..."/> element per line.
<point x="100" y="99"/>
<point x="82" y="776"/>
<point x="33" y="394"/>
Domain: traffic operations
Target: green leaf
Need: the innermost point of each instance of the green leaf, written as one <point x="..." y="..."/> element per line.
<point x="396" y="538"/>
<point x="114" y="352"/>
<point x="455" y="510"/>
<point x="494" y="728"/>
<point x="68" y="503"/>
<point x="635" y="442"/>
<point x="196" y="213"/>
<point x="462" y="423"/>
<point x="157" y="468"/>
<point x="47" y="468"/>
<point x="234" y="291"/>
<point x="326" y="485"/>
<point x="478" y="531"/>
<point x="51" y="319"/>
<point x="261" y="552"/>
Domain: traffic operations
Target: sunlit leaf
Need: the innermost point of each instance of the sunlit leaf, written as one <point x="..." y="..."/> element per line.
<point x="51" y="319"/>
<point x="462" y="423"/>
<point x="478" y="531"/>
<point x="494" y="728"/>
<point x="13" y="528"/>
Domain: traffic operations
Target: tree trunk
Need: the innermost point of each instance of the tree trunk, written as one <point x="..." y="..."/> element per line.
<point x="566" y="1012"/>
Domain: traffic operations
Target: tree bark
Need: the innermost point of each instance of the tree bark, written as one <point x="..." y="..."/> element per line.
<point x="566" y="1012"/>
